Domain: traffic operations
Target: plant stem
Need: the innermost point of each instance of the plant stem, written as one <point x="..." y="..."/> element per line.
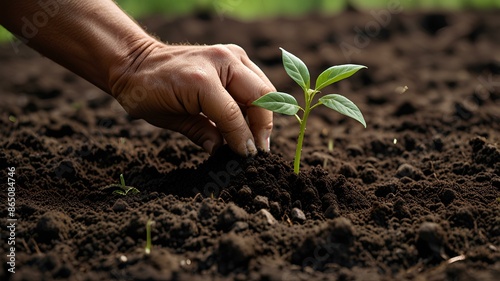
<point x="147" y="250"/>
<point x="300" y="141"/>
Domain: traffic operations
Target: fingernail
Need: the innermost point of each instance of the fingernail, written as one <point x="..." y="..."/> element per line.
<point x="251" y="149"/>
<point x="208" y="145"/>
<point x="265" y="140"/>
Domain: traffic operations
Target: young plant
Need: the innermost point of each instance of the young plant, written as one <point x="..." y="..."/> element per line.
<point x="147" y="249"/>
<point x="121" y="188"/>
<point x="286" y="104"/>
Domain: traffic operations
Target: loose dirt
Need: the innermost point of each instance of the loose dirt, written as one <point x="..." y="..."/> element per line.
<point x="415" y="196"/>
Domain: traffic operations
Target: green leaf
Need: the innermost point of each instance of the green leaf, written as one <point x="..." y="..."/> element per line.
<point x="122" y="180"/>
<point x="296" y="69"/>
<point x="278" y="102"/>
<point x="120" y="192"/>
<point x="344" y="106"/>
<point x="336" y="73"/>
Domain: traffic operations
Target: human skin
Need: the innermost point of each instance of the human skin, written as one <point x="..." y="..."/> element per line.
<point x="203" y="92"/>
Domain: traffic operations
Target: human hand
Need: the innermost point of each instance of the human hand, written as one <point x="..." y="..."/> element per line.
<point x="203" y="92"/>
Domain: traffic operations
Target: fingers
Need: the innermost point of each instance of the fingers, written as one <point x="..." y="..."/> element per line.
<point x="222" y="109"/>
<point x="248" y="83"/>
<point x="246" y="86"/>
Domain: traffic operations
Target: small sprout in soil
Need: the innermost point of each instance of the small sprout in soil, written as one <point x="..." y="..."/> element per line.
<point x="147" y="249"/>
<point x="286" y="104"/>
<point x="12" y="118"/>
<point x="121" y="188"/>
<point x="330" y="145"/>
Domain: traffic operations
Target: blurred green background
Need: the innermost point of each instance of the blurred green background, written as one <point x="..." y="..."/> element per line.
<point x="254" y="9"/>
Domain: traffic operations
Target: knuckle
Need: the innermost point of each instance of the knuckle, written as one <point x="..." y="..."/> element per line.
<point x="268" y="126"/>
<point x="236" y="49"/>
<point x="192" y="75"/>
<point x="220" y="52"/>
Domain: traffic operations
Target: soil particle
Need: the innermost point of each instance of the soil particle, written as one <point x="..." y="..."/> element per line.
<point x="485" y="153"/>
<point x="348" y="170"/>
<point x="261" y="202"/>
<point x="495" y="182"/>
<point x="329" y="242"/>
<point x="158" y="265"/>
<point x="120" y="205"/>
<point x="407" y="170"/>
<point x="447" y="196"/>
<point x="275" y="209"/>
<point x="430" y="240"/>
<point x="332" y="212"/>
<point x="53" y="225"/>
<point x="234" y="252"/>
<point x="363" y="218"/>
<point x="245" y="194"/>
<point x="230" y="215"/>
<point x="369" y="174"/>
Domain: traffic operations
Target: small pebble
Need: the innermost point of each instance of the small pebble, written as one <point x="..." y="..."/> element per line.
<point x="297" y="215"/>
<point x="264" y="214"/>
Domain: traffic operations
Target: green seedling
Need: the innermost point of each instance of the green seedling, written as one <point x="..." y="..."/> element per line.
<point x="286" y="104"/>
<point x="147" y="249"/>
<point x="121" y="188"/>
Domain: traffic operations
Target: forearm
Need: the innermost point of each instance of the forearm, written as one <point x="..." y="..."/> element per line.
<point x="93" y="38"/>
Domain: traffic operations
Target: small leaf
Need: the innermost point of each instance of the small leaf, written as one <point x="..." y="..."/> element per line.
<point x="133" y="190"/>
<point x="120" y="192"/>
<point x="344" y="106"/>
<point x="278" y="102"/>
<point x="336" y="73"/>
<point x="122" y="180"/>
<point x="296" y="69"/>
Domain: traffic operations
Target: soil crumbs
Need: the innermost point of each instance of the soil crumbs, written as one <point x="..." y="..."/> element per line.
<point x="415" y="196"/>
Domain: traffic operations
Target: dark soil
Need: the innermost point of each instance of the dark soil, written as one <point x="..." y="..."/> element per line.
<point x="415" y="196"/>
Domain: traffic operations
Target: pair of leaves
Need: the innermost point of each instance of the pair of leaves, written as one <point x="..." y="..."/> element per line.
<point x="286" y="104"/>
<point x="121" y="188"/>
<point x="297" y="70"/>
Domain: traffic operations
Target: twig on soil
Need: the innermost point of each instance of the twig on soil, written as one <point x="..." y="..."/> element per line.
<point x="37" y="249"/>
<point x="287" y="219"/>
<point x="455" y="259"/>
<point x="197" y="196"/>
<point x="23" y="241"/>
